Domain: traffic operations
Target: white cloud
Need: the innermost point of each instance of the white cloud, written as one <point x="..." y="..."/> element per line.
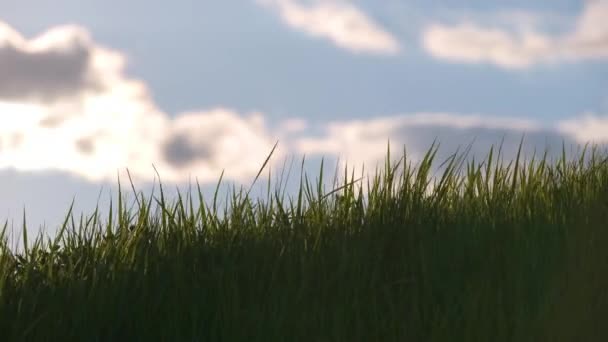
<point x="585" y="128"/>
<point x="339" y="21"/>
<point x="472" y="43"/>
<point x="91" y="120"/>
<point x="590" y="38"/>
<point x="469" y="43"/>
<point x="293" y="125"/>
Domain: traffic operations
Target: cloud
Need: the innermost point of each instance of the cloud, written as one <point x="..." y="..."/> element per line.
<point x="67" y="105"/>
<point x="93" y="132"/>
<point x="587" y="127"/>
<point x="217" y="139"/>
<point x="363" y="143"/>
<point x="472" y="44"/>
<point x="338" y="21"/>
<point x="524" y="47"/>
<point x="293" y="125"/>
<point x="61" y="62"/>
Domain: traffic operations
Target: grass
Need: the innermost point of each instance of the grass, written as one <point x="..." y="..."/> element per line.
<point x="483" y="251"/>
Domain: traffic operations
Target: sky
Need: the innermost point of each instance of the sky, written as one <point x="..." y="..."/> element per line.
<point x="192" y="89"/>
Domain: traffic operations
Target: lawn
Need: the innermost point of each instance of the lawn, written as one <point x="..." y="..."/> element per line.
<point x="448" y="250"/>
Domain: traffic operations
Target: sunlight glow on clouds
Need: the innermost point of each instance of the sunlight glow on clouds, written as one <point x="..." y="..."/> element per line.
<point x="339" y="21"/>
<point x="471" y="43"/>
<point x="67" y="105"/>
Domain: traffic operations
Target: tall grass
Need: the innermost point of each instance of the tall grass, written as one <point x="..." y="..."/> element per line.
<point x="484" y="251"/>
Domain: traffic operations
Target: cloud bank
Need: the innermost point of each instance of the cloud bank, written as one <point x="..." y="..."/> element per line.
<point x="361" y="143"/>
<point x="93" y="121"/>
<point x="469" y="42"/>
<point x="341" y="22"/>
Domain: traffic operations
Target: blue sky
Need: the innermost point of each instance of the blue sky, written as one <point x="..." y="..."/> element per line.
<point x="200" y="86"/>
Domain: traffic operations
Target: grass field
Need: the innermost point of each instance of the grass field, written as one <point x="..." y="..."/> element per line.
<point x="481" y="251"/>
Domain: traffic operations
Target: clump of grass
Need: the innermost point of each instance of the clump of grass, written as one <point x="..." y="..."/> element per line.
<point x="481" y="252"/>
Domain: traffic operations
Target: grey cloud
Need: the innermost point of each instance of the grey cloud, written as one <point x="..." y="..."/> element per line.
<point x="45" y="75"/>
<point x="420" y="138"/>
<point x="85" y="145"/>
<point x="180" y="152"/>
<point x="52" y="121"/>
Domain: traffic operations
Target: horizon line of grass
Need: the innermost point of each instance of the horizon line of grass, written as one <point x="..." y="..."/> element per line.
<point x="431" y="152"/>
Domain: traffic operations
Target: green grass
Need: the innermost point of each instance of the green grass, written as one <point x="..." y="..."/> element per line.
<point x="487" y="251"/>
